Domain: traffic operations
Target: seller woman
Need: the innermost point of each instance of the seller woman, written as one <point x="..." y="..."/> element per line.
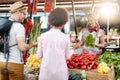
<point x="94" y="29"/>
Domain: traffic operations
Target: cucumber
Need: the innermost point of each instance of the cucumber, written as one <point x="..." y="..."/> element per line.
<point x="74" y="76"/>
<point x="78" y="77"/>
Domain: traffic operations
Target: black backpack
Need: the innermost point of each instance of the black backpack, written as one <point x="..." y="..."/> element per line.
<point x="5" y="26"/>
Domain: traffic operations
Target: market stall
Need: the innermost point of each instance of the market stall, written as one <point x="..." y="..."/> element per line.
<point x="85" y="64"/>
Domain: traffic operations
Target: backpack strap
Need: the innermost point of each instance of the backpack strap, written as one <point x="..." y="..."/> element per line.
<point x="5" y="45"/>
<point x="8" y="35"/>
<point x="12" y="45"/>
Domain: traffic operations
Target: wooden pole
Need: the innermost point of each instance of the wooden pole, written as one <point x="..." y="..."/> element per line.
<point x="31" y="11"/>
<point x="93" y="5"/>
<point x="74" y="18"/>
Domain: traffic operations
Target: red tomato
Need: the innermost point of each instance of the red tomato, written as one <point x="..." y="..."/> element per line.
<point x="80" y="58"/>
<point x="71" y="67"/>
<point x="76" y="60"/>
<point x="72" y="62"/>
<point x="91" y="58"/>
<point x="83" y="67"/>
<point x="86" y="63"/>
<point x="75" y="65"/>
<point x="81" y="63"/>
<point x="68" y="61"/>
<point x="72" y="57"/>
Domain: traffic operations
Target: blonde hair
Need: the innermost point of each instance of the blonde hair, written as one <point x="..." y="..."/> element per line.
<point x="92" y="16"/>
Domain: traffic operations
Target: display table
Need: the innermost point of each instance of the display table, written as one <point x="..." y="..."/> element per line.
<point x="113" y="47"/>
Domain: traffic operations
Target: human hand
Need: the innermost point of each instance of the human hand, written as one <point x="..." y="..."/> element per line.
<point x="76" y="45"/>
<point x="35" y="44"/>
<point x="98" y="45"/>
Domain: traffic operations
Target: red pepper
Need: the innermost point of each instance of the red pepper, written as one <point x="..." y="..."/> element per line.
<point x="25" y="56"/>
<point x="89" y="67"/>
<point x="95" y="65"/>
<point x="28" y="27"/>
<point x="81" y="63"/>
<point x="75" y="65"/>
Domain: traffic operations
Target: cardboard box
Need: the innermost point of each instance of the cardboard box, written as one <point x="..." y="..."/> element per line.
<point x="94" y="75"/>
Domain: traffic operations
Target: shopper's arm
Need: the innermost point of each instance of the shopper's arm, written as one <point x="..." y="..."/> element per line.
<point x="23" y="46"/>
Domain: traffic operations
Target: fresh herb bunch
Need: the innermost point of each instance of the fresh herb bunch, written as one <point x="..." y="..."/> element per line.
<point x="34" y="34"/>
<point x="90" y="41"/>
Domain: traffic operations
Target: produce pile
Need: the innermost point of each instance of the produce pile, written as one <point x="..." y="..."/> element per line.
<point x="103" y="68"/>
<point x="78" y="76"/>
<point x="83" y="61"/>
<point x="111" y="58"/>
<point x="32" y="62"/>
<point x="90" y="41"/>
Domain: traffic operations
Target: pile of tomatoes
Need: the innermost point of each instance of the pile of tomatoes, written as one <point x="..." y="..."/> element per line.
<point x="84" y="61"/>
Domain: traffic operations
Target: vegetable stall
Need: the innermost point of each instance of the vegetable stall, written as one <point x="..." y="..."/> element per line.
<point x="82" y="66"/>
<point x="86" y="65"/>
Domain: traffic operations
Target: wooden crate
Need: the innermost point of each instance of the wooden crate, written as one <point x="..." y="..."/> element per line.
<point x="94" y="75"/>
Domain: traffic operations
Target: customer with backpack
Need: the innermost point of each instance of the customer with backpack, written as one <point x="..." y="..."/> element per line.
<point x="16" y="36"/>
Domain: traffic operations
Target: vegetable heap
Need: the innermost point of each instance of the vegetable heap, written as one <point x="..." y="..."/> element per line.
<point x="78" y="76"/>
<point x="111" y="58"/>
<point x="75" y="76"/>
<point x="103" y="68"/>
<point x="33" y="62"/>
<point x="83" y="61"/>
<point x="90" y="41"/>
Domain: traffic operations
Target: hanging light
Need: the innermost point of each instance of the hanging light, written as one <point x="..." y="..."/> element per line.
<point x="108" y="9"/>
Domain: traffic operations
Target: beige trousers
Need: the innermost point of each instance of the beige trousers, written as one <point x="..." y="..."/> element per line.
<point x="16" y="71"/>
